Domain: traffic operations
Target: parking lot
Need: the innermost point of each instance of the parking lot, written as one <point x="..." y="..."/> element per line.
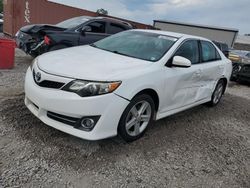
<point x="201" y="147"/>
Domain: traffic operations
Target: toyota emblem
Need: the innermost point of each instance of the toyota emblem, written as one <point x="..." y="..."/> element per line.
<point x="38" y="76"/>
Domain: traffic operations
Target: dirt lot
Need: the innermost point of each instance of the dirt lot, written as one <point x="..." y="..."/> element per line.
<point x="201" y="147"/>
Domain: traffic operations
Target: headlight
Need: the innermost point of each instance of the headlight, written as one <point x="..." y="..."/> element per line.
<point x="89" y="88"/>
<point x="33" y="63"/>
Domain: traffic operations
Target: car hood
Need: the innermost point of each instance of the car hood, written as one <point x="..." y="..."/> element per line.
<point x="30" y="29"/>
<point x="90" y="63"/>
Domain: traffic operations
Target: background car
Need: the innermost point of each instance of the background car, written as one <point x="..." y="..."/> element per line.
<point x="38" y="39"/>
<point x="241" y="64"/>
<point x="120" y="84"/>
<point x="223" y="47"/>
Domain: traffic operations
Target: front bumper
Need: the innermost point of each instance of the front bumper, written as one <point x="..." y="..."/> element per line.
<point x="41" y="100"/>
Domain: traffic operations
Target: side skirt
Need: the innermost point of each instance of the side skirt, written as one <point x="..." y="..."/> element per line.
<point x="174" y="111"/>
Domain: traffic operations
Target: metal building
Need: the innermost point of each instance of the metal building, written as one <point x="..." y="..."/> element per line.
<point x="18" y="13"/>
<point x="221" y="34"/>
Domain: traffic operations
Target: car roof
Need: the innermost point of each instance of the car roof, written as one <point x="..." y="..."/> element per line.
<point x="106" y="18"/>
<point x="172" y="34"/>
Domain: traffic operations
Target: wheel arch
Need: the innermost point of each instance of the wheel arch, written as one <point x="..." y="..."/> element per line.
<point x="224" y="79"/>
<point x="153" y="94"/>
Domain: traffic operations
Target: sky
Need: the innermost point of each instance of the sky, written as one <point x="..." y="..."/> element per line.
<point x="224" y="13"/>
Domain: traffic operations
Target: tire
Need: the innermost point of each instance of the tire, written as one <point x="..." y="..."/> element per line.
<point x="136" y="118"/>
<point x="218" y="93"/>
<point x="57" y="47"/>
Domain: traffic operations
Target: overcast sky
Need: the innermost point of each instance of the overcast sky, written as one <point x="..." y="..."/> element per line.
<point x="225" y="13"/>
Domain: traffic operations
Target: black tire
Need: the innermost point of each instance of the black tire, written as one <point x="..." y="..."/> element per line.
<point x="135" y="102"/>
<point x="57" y="47"/>
<point x="220" y="85"/>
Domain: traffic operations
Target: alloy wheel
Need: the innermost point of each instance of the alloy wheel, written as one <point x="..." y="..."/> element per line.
<point x="138" y="118"/>
<point x="218" y="93"/>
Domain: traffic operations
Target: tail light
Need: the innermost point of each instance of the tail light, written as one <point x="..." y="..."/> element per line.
<point x="47" y="40"/>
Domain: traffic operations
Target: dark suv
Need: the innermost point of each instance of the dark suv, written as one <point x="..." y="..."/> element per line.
<point x="38" y="39"/>
<point x="223" y="47"/>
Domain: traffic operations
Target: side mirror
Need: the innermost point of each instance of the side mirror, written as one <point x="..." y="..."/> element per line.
<point x="179" y="61"/>
<point x="86" y="29"/>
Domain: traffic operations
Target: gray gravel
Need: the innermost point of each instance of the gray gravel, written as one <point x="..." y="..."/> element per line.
<point x="201" y="147"/>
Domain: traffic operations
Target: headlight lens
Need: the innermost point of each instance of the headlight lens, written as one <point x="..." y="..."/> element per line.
<point x="88" y="88"/>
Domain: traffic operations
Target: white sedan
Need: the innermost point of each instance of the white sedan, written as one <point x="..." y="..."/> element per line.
<point x="119" y="85"/>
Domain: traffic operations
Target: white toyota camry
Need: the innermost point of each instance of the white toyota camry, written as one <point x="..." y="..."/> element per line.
<point x="119" y="85"/>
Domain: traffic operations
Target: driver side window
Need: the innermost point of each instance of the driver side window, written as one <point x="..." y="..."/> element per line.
<point x="189" y="50"/>
<point x="97" y="27"/>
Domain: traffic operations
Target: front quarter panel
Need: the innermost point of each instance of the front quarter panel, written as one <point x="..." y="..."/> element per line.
<point x="149" y="79"/>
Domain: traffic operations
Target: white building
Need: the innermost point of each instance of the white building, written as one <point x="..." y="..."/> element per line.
<point x="221" y="34"/>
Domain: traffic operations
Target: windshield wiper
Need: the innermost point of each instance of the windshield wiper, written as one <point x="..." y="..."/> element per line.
<point x="116" y="52"/>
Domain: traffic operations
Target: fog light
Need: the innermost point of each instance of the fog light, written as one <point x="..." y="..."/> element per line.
<point x="87" y="123"/>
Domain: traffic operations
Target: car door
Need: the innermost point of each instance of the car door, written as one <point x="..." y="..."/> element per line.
<point x="212" y="68"/>
<point x="97" y="32"/>
<point x="182" y="84"/>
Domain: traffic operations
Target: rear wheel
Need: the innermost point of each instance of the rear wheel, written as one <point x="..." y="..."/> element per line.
<point x="136" y="118"/>
<point x="218" y="93"/>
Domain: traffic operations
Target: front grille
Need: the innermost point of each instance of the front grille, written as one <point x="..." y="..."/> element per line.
<point x="48" y="83"/>
<point x="63" y="119"/>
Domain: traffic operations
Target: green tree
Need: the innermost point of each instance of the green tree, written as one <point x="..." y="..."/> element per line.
<point x="102" y="11"/>
<point x="1" y="5"/>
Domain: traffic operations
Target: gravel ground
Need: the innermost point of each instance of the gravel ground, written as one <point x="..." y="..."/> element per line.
<point x="201" y="147"/>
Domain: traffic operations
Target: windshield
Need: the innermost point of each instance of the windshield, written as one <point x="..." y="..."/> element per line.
<point x="137" y="44"/>
<point x="71" y="23"/>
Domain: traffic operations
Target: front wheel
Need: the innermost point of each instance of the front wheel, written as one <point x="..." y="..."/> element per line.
<point x="136" y="118"/>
